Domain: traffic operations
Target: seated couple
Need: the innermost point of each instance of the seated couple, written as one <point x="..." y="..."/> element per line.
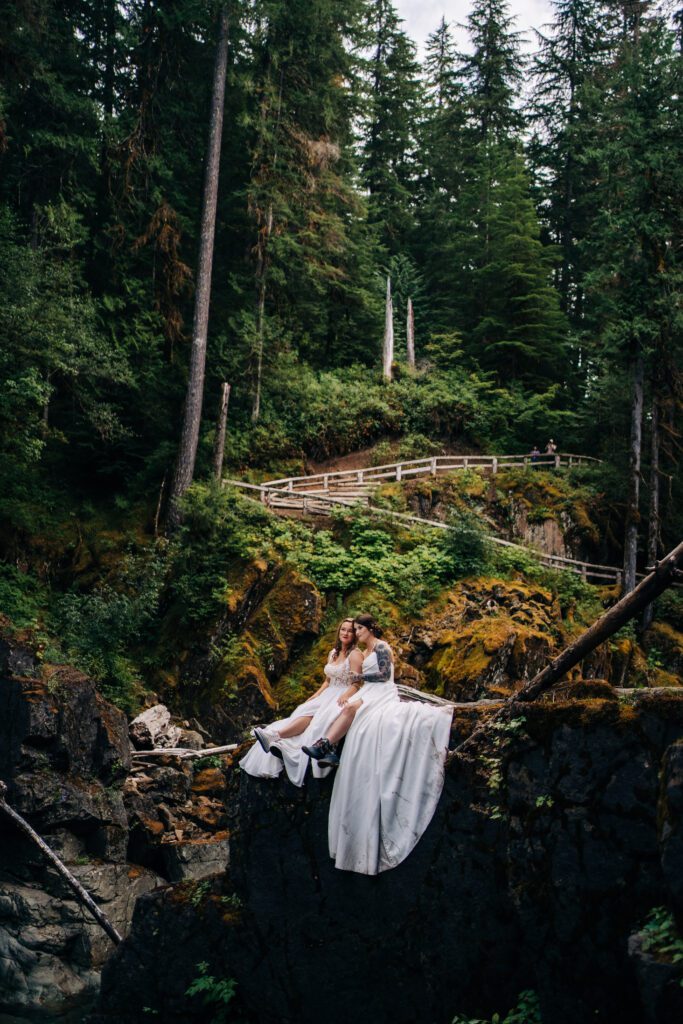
<point x="391" y="775"/>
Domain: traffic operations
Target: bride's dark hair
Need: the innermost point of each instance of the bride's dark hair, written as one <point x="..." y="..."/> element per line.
<point x="338" y="644"/>
<point x="369" y="623"/>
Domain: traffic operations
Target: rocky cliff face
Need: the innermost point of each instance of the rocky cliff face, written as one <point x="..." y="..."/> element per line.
<point x="547" y="852"/>
<point x="63" y="753"/>
<point x="65" y="756"/>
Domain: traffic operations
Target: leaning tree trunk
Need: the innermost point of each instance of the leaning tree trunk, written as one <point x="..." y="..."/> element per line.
<point x="632" y="509"/>
<point x="410" y="335"/>
<point x="82" y="894"/>
<point x="219" y="446"/>
<point x="653" y="523"/>
<point x="189" y="438"/>
<point x="388" y="350"/>
<point x="665" y="574"/>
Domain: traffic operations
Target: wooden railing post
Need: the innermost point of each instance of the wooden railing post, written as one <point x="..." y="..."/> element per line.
<point x="433" y="467"/>
<point x="398" y="472"/>
<point x="360" y="476"/>
<point x="494" y="466"/>
<point x="557" y="461"/>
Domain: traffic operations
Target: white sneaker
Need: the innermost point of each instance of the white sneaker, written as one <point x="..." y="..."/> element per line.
<point x="265" y="738"/>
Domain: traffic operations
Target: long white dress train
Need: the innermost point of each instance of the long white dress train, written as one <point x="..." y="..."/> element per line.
<point x="390" y="778"/>
<point x="324" y="709"/>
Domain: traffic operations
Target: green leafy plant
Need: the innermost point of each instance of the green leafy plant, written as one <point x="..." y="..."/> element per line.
<point x="662" y="938"/>
<point x="216" y="993"/>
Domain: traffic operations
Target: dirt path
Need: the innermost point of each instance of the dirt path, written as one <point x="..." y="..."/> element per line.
<point x="366" y="457"/>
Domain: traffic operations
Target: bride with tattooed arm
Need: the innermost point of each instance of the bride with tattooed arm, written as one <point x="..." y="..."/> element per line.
<point x="392" y="770"/>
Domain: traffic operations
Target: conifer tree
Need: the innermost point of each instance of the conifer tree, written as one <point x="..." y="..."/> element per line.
<point x="565" y="104"/>
<point x="513" y="320"/>
<point x="634" y="243"/>
<point x="443" y="158"/>
<point x="389" y="157"/>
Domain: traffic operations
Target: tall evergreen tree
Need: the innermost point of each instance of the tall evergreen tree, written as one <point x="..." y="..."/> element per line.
<point x="493" y="72"/>
<point x="443" y="161"/>
<point x="634" y="243"/>
<point x="389" y="154"/>
<point x="564" y="106"/>
<point x="512" y="319"/>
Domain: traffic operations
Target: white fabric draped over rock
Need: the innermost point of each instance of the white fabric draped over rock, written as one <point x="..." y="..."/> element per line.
<point x="389" y="780"/>
<point x="324" y="709"/>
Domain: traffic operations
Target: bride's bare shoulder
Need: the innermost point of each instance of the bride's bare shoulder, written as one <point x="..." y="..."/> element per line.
<point x="355" y="658"/>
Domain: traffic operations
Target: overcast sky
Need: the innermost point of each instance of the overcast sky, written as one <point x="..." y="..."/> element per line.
<point x="423" y="16"/>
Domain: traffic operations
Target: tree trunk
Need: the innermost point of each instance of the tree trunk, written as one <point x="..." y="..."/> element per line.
<point x="83" y="896"/>
<point x="653" y="524"/>
<point x="410" y="335"/>
<point x="192" y="413"/>
<point x="665" y="574"/>
<point x="219" y="446"/>
<point x="261" y="310"/>
<point x="388" y="352"/>
<point x="262" y="269"/>
<point x="632" y="509"/>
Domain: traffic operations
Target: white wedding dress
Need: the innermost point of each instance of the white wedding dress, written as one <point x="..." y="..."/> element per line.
<point x="390" y="777"/>
<point x="324" y="709"/>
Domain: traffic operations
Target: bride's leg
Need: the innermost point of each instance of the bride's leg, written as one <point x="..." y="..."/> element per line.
<point x="296" y="727"/>
<point x="342" y="723"/>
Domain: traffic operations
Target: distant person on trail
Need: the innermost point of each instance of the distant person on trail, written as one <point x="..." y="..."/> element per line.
<point x="550" y="450"/>
<point x="535" y="454"/>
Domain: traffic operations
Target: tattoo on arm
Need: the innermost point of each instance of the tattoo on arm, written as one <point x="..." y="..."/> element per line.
<point x="383" y="673"/>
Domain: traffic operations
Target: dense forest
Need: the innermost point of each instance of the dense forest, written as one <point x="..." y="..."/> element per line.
<point x="526" y="202"/>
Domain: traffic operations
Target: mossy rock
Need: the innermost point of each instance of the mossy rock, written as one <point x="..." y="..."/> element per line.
<point x="668" y="641"/>
<point x="582" y="689"/>
<point x="307" y="674"/>
<point x="485" y="637"/>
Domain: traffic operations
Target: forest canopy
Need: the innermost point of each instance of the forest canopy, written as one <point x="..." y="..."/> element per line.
<point x="527" y="203"/>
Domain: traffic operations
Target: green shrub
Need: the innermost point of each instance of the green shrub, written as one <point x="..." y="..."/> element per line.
<point x="99" y="630"/>
<point x="464" y="544"/>
<point x="22" y="596"/>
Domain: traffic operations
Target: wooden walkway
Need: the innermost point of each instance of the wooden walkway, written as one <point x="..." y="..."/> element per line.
<point x="359" y="483"/>
<point x="351" y="487"/>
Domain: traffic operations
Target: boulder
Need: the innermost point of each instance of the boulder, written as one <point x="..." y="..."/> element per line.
<point x="153" y="728"/>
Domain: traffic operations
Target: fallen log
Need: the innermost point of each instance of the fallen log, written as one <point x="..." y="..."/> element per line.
<point x="81" y="894"/>
<point x="183" y="752"/>
<point x="665" y="574"/>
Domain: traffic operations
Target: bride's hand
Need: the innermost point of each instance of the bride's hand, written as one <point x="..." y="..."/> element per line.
<point x="342" y="701"/>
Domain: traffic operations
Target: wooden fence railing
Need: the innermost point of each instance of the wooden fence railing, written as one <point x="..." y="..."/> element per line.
<point x="432" y="466"/>
<point x="318" y="504"/>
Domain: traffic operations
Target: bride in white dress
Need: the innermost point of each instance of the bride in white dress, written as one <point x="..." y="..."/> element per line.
<point x="392" y="769"/>
<point x="280" y="744"/>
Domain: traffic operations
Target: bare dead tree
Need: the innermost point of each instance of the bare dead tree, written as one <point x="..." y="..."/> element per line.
<point x="219" y="445"/>
<point x="410" y="335"/>
<point x="388" y="350"/>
